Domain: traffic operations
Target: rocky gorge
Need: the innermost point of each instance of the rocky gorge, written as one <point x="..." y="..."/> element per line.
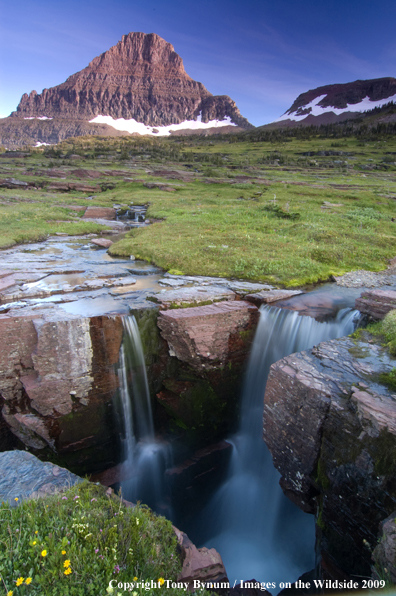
<point x="328" y="421"/>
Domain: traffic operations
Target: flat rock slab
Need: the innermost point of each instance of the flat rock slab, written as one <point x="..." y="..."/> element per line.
<point x="376" y="303"/>
<point x="271" y="296"/>
<point x="24" y="476"/>
<point x="100" y="212"/>
<point x="195" y="296"/>
<point x="207" y="336"/>
<point x="103" y="242"/>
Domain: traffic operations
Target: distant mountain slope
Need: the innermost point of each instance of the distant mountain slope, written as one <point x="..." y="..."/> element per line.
<point x="334" y="103"/>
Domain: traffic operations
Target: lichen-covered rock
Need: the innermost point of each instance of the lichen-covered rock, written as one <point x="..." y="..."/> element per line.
<point x="24" y="476"/>
<point x="331" y="428"/>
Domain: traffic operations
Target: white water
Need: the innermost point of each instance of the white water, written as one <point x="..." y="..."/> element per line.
<point x="258" y="531"/>
<point x="145" y="458"/>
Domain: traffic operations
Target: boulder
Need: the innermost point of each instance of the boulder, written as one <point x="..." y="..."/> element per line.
<point x="376" y="303"/>
<point x="102" y="242"/>
<point x="24" y="476"/>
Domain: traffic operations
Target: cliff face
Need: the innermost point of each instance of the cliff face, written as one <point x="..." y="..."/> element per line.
<point x="331" y="428"/>
<point x="141" y="77"/>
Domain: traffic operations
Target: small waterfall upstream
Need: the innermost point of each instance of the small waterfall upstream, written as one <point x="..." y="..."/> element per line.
<point x="144" y="458"/>
<point x="258" y="531"/>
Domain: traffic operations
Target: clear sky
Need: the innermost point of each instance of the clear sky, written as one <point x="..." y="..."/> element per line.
<point x="262" y="53"/>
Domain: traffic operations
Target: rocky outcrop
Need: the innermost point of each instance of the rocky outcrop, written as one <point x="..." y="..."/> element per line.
<point x="23" y="476"/>
<point x="57" y="380"/>
<point x="208" y="337"/>
<point x="209" y="346"/>
<point x="141" y="77"/>
<point x="330" y="425"/>
<point x="376" y="303"/>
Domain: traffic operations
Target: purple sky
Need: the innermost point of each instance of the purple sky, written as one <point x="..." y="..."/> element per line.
<point x="261" y="53"/>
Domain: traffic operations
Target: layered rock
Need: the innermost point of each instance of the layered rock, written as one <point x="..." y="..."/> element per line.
<point x="376" y="303"/>
<point x="140" y="78"/>
<point x="209" y="346"/>
<point x="57" y="380"/>
<point x="331" y="429"/>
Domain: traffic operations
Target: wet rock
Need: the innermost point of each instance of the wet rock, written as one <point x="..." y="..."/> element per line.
<point x="331" y="429"/>
<point x="376" y="303"/>
<point x="384" y="554"/>
<point x="207" y="336"/>
<point x="195" y="296"/>
<point x="103" y="242"/>
<point x="24" y="476"/>
<point x="100" y="212"/>
<point x="268" y="296"/>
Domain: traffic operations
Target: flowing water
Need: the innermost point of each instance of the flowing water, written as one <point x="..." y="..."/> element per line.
<point x="258" y="531"/>
<point x="144" y="458"/>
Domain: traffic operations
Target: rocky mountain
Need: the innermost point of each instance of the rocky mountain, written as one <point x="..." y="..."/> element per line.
<point x="140" y="78"/>
<point x="334" y="103"/>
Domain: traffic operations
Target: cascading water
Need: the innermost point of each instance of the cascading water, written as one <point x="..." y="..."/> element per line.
<point x="145" y="458"/>
<point x="258" y="531"/>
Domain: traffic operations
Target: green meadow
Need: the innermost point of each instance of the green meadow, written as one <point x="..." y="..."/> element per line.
<point x="290" y="210"/>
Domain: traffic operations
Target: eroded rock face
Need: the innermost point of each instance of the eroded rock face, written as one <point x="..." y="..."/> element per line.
<point x="376" y="303"/>
<point x="57" y="380"/>
<point x="331" y="429"/>
<point x="209" y="346"/>
<point x="141" y="77"/>
<point x="207" y="336"/>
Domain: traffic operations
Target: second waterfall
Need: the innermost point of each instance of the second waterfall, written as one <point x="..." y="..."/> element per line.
<point x="144" y="458"/>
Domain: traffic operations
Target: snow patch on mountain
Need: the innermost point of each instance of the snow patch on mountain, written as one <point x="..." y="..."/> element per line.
<point x="314" y="109"/>
<point x="132" y="125"/>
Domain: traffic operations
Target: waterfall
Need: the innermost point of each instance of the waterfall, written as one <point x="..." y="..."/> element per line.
<point x="144" y="457"/>
<point x="258" y="531"/>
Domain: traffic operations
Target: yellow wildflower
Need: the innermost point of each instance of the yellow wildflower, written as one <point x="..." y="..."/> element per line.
<point x="20" y="581"/>
<point x="66" y="563"/>
<point x="16" y="499"/>
<point x="28" y="580"/>
<point x="44" y="553"/>
<point x="135" y="579"/>
<point x="63" y="552"/>
<point x="10" y="593"/>
<point x="36" y="532"/>
<point x="68" y="571"/>
<point x="161" y="581"/>
<point x="34" y="542"/>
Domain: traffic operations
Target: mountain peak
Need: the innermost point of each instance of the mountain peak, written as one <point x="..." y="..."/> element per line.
<point x="141" y="78"/>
